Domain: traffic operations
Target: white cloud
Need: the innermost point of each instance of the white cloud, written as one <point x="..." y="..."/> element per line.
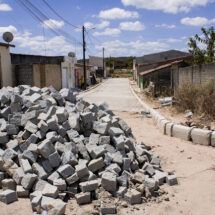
<point x="132" y="26"/>
<point x="165" y="26"/>
<point x="118" y="13"/>
<point x="108" y="32"/>
<point x="173" y="40"/>
<point x="197" y="21"/>
<point x="101" y="25"/>
<point x="9" y="28"/>
<point x="53" y="24"/>
<point x="5" y="7"/>
<point x="132" y="48"/>
<point x="167" y="6"/>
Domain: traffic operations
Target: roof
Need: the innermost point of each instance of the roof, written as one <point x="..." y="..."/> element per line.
<point x="161" y="56"/>
<point x="160" y="67"/>
<point x="167" y="61"/>
<point x="7" y="45"/>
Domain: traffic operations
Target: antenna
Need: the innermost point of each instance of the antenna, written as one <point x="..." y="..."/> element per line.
<point x="8" y="37"/>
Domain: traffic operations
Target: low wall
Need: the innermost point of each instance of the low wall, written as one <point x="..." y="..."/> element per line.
<point x="195" y="135"/>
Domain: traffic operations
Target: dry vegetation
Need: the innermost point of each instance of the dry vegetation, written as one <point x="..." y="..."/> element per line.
<point x="200" y="99"/>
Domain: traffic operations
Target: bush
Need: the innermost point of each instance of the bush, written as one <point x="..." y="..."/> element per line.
<point x="200" y="99"/>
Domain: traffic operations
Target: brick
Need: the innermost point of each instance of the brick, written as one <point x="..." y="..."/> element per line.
<point x="109" y="182"/>
<point x="89" y="186"/>
<point x="8" y="196"/>
<point x="83" y="198"/>
<point x="133" y="197"/>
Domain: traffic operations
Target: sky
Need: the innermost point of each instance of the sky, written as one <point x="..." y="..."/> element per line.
<point x="122" y="27"/>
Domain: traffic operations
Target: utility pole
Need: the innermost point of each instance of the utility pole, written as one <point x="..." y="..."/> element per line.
<point x="104" y="61"/>
<point x="84" y="50"/>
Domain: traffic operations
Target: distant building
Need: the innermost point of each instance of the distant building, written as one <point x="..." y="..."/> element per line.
<point x="97" y="62"/>
<point x="6" y="76"/>
<point x="120" y="64"/>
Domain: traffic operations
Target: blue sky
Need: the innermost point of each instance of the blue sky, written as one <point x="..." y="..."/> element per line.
<point x="123" y="27"/>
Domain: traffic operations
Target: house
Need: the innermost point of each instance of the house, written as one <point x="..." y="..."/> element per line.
<point x="98" y="63"/>
<point x="6" y="76"/>
<point x="120" y="64"/>
<point x="44" y="71"/>
<point x="152" y="61"/>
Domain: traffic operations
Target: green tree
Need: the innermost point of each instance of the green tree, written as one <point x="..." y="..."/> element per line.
<point x="207" y="38"/>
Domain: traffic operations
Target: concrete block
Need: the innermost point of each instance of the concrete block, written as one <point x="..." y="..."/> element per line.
<point x="55" y="175"/>
<point x="8" y="184"/>
<point x="8" y="196"/>
<point x="103" y="140"/>
<point x="35" y="97"/>
<point x="108" y="207"/>
<point x="32" y="128"/>
<point x="56" y="207"/>
<point x="162" y="125"/>
<point x="200" y="136"/>
<point x="97" y="151"/>
<point x="160" y="177"/>
<point x="114" y="131"/>
<point x="126" y="164"/>
<point x="50" y="191"/>
<point x="52" y="124"/>
<point x="121" y="192"/>
<point x="4" y="138"/>
<point x="114" y="167"/>
<point x="54" y="159"/>
<point x="68" y="157"/>
<point x="28" y="181"/>
<point x="9" y="154"/>
<point x="21" y="192"/>
<point x="83" y="198"/>
<point x="10" y="167"/>
<point x="96" y="164"/>
<point x="66" y="170"/>
<point x="109" y="182"/>
<point x="46" y="148"/>
<point x="12" y="129"/>
<point x="43" y="126"/>
<point x="47" y="166"/>
<point x="100" y="128"/>
<point x="89" y="186"/>
<point x="169" y="127"/>
<point x="18" y="175"/>
<point x="181" y="132"/>
<point x="38" y="169"/>
<point x="151" y="184"/>
<point x="26" y="166"/>
<point x="45" y="202"/>
<point x="36" y="202"/>
<point x="81" y="170"/>
<point x="60" y="184"/>
<point x="171" y="180"/>
<point x="29" y="155"/>
<point x="62" y="115"/>
<point x="72" y="179"/>
<point x="133" y="197"/>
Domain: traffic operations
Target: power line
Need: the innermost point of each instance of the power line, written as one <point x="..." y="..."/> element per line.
<point x="57" y="14"/>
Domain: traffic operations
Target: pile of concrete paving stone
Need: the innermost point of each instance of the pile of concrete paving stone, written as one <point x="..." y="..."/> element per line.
<point x="54" y="147"/>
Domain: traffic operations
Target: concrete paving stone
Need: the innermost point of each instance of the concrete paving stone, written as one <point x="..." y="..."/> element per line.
<point x="107" y="159"/>
<point x="200" y="136"/>
<point x="50" y="191"/>
<point x="68" y="95"/>
<point x="109" y="182"/>
<point x="72" y="179"/>
<point x="94" y="139"/>
<point x="134" y="165"/>
<point x="35" y="97"/>
<point x="121" y="192"/>
<point x="45" y="202"/>
<point x="97" y="151"/>
<point x="66" y="170"/>
<point x="108" y="207"/>
<point x="26" y="166"/>
<point x="74" y="121"/>
<point x="28" y="180"/>
<point x="124" y="126"/>
<point x="28" y="116"/>
<point x="39" y="185"/>
<point x="119" y="142"/>
<point x="73" y="188"/>
<point x="55" y="159"/>
<point x="52" y="136"/>
<point x="151" y="184"/>
<point x="68" y="157"/>
<point x="86" y="117"/>
<point x="100" y="128"/>
<point x="15" y="119"/>
<point x="83" y="198"/>
<point x="9" y="154"/>
<point x="12" y="129"/>
<point x="47" y="166"/>
<point x="126" y="164"/>
<point x="61" y="131"/>
<point x="36" y="202"/>
<point x="8" y="184"/>
<point x="10" y="167"/>
<point x="115" y="167"/>
<point x="32" y="128"/>
<point x="130" y="143"/>
<point x="114" y="131"/>
<point x="81" y="170"/>
<point x="138" y="177"/>
<point x="46" y="148"/>
<point x="133" y="197"/>
<point x="96" y="164"/>
<point x="31" y="156"/>
<point x="12" y="144"/>
<point x="66" y="125"/>
<point x="60" y="184"/>
<point x="150" y="170"/>
<point x="55" y="175"/>
<point x="62" y="115"/>
<point x="60" y="147"/>
<point x="59" y="99"/>
<point x="103" y="140"/>
<point x="89" y="186"/>
<point x="43" y="126"/>
<point x="123" y="180"/>
<point x="35" y="194"/>
<point x="52" y="124"/>
<point x="51" y="112"/>
<point x="182" y="132"/>
<point x="40" y="134"/>
<point x="160" y="177"/>
<point x="21" y="192"/>
<point x="4" y="138"/>
<point x="171" y="180"/>
<point x="8" y="196"/>
<point x="117" y="158"/>
<point x="18" y="175"/>
<point x="72" y="134"/>
<point x="56" y="207"/>
<point x="38" y="169"/>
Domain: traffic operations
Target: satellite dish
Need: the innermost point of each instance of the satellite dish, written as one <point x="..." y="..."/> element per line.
<point x="8" y="37"/>
<point x="71" y="54"/>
